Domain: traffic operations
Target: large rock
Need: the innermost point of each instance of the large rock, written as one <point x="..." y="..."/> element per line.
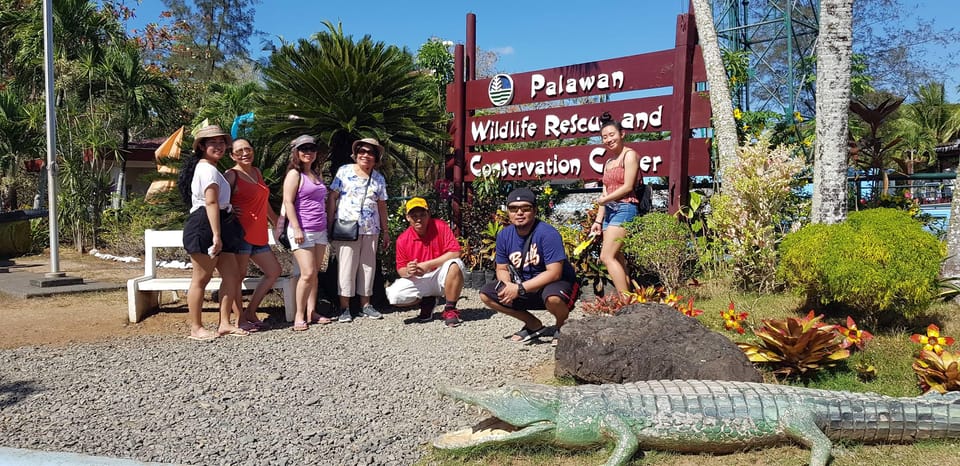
<point x="648" y="342"/>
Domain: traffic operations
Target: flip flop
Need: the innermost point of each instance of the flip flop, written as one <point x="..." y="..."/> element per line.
<point x="249" y="327"/>
<point x="237" y="332"/>
<point x="319" y="319"/>
<point x="525" y="335"/>
<point x="519" y="336"/>
<point x="300" y="326"/>
<point x="545" y="331"/>
<point x="208" y="337"/>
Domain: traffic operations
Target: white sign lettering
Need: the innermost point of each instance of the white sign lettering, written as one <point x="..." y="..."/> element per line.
<point x="555" y="127"/>
<point x="550" y="167"/>
<point x="574" y="86"/>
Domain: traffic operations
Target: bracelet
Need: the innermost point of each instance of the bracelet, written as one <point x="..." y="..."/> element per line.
<point x="598" y="223"/>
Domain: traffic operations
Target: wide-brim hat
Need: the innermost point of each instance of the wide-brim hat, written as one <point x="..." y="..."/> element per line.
<point x="208" y="132"/>
<point x="370" y="142"/>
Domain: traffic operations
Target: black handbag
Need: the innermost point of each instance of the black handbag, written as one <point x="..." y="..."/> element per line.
<point x="284" y="240"/>
<point x="345" y="230"/>
<point x="349" y="230"/>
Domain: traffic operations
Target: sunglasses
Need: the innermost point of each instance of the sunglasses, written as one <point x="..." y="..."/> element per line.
<point x="367" y="151"/>
<point x="307" y="148"/>
<point x="520" y="208"/>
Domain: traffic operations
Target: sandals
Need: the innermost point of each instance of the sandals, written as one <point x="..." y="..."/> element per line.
<point x="300" y="326"/>
<point x="250" y="327"/>
<point x="319" y="319"/>
<point x="526" y="336"/>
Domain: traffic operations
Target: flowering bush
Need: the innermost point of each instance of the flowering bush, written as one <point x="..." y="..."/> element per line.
<point x="747" y="217"/>
<point x="732" y="319"/>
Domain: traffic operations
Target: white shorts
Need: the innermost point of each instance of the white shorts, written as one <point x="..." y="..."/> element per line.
<point x="406" y="291"/>
<point x="310" y="239"/>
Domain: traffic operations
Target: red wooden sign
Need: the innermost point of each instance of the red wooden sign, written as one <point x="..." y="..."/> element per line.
<point x="642" y="115"/>
<point x="528" y="107"/>
<point x="581" y="162"/>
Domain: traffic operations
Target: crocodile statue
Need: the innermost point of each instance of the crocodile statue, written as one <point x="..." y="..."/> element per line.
<point x="700" y="416"/>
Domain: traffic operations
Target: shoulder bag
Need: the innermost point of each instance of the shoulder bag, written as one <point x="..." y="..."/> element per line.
<point x="349" y="230"/>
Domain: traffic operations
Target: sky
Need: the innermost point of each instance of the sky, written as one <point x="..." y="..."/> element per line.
<point x="527" y="35"/>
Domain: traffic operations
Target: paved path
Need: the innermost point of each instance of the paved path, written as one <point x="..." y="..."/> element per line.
<point x="16" y="281"/>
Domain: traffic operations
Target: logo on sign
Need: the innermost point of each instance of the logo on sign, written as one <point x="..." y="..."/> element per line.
<point x="500" y="90"/>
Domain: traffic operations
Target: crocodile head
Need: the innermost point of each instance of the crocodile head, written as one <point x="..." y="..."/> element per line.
<point x="520" y="413"/>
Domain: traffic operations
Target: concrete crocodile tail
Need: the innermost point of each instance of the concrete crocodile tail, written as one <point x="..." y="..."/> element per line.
<point x="700" y="416"/>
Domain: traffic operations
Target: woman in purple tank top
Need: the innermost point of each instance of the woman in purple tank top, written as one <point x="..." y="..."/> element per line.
<point x="304" y="204"/>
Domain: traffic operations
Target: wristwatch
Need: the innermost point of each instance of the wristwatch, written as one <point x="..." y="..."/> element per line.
<point x="521" y="290"/>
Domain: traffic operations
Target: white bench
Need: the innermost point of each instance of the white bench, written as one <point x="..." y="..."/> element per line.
<point x="143" y="293"/>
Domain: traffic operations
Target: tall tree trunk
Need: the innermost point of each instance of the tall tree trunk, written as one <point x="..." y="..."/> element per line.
<point x="720" y="102"/>
<point x="834" y="47"/>
<point x="951" y="265"/>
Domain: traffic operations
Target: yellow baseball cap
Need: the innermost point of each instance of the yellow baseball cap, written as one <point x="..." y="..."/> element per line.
<point x="417" y="202"/>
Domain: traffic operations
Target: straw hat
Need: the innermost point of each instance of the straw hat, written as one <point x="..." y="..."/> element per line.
<point x="208" y="132"/>
<point x="370" y="142"/>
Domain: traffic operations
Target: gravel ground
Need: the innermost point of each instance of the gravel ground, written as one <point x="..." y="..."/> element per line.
<point x="357" y="393"/>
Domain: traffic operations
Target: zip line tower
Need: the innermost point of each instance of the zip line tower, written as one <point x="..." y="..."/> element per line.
<point x="778" y="39"/>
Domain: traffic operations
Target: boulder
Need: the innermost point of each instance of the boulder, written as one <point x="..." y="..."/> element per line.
<point x="648" y="342"/>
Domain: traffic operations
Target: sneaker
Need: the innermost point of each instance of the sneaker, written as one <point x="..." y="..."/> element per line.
<point x="345" y="316"/>
<point x="451" y="317"/>
<point x="371" y="312"/>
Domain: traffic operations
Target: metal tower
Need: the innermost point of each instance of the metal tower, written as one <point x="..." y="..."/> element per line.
<point x="780" y="39"/>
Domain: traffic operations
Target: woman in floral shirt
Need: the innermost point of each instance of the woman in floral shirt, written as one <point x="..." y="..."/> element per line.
<point x="360" y="192"/>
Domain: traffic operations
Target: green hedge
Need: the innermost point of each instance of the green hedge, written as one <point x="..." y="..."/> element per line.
<point x="876" y="261"/>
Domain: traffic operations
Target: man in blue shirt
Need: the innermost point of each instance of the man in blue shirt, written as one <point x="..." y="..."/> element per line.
<point x="532" y="270"/>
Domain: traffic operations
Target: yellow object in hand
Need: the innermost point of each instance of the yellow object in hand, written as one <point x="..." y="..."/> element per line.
<point x="583" y="245"/>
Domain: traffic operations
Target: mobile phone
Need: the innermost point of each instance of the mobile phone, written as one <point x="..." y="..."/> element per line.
<point x="500" y="285"/>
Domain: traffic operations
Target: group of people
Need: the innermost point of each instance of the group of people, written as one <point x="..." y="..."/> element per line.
<point x="228" y="227"/>
<point x="229" y="219"/>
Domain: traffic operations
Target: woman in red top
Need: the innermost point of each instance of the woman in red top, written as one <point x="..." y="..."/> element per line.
<point x="618" y="202"/>
<point x="249" y="197"/>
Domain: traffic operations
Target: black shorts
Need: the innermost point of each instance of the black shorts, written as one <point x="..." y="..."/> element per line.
<point x="535" y="300"/>
<point x="198" y="237"/>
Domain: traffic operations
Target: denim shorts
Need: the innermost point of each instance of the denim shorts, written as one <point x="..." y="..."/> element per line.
<point x="618" y="213"/>
<point x="252" y="250"/>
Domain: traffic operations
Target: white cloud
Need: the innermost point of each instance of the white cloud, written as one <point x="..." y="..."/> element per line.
<point x="508" y="50"/>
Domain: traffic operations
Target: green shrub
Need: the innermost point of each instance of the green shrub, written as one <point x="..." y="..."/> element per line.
<point x="122" y="229"/>
<point x="878" y="260"/>
<point x="659" y="243"/>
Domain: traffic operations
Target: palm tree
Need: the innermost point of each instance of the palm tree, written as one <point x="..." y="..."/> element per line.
<point x="834" y="48"/>
<point x="227" y="101"/>
<point x="21" y="137"/>
<point x="136" y="94"/>
<point x="720" y="101"/>
<point x="80" y="27"/>
<point x="342" y="90"/>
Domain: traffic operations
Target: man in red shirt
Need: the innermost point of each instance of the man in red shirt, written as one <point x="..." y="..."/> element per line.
<point x="428" y="261"/>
